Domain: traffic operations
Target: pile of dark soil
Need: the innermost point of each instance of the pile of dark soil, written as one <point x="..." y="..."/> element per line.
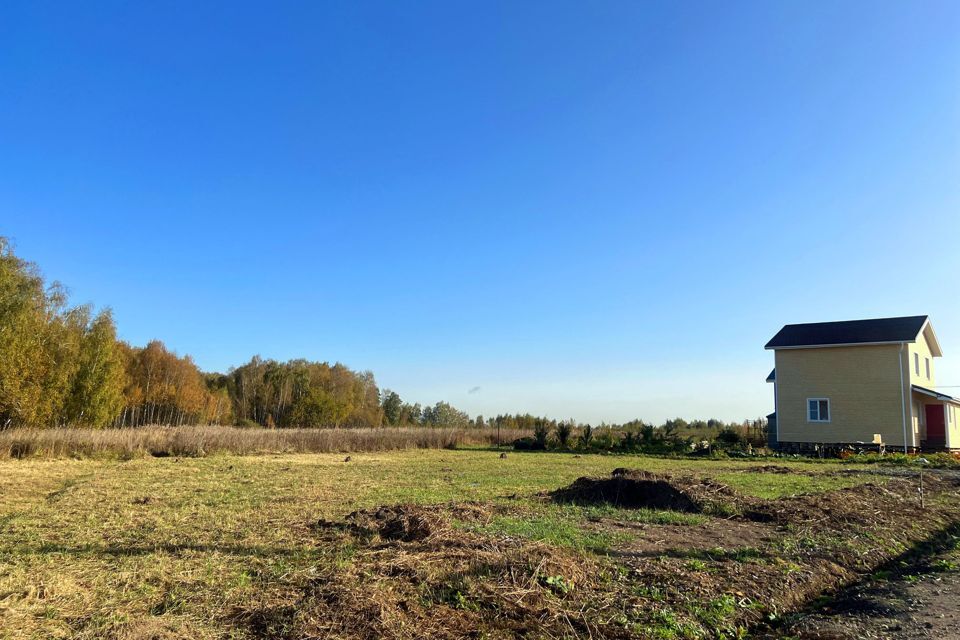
<point x="880" y="502"/>
<point x="641" y="489"/>
<point x="406" y="522"/>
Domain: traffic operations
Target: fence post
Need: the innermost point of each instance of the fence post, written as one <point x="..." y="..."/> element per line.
<point x="923" y="462"/>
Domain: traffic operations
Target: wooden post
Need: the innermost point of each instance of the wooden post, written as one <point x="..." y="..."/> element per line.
<point x="921" y="487"/>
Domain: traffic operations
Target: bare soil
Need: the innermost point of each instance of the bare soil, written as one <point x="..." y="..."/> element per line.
<point x="926" y="608"/>
<point x="913" y="596"/>
<point x="423" y="571"/>
<point x="634" y="489"/>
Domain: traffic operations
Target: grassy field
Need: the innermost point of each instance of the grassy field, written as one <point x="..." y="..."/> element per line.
<point x="186" y="547"/>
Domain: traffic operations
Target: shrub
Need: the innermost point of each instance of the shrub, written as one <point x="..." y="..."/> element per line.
<point x="729" y="438"/>
<point x="564" y="429"/>
<point x="541" y="432"/>
<point x="586" y="437"/>
<point x="604" y="439"/>
<point x="528" y="444"/>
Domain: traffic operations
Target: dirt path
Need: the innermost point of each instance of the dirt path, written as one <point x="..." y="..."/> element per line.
<point x="916" y="600"/>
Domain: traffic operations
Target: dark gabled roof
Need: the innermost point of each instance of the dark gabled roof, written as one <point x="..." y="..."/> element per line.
<point x="773" y="376"/>
<point x="875" y="331"/>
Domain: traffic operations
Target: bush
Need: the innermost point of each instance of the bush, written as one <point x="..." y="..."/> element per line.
<point x="586" y="436"/>
<point x="541" y="432"/>
<point x="604" y="439"/>
<point x="22" y="449"/>
<point x="564" y="429"/>
<point x="729" y="438"/>
<point x="528" y="444"/>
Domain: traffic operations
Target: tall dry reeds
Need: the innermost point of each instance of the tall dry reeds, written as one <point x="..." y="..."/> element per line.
<point x="206" y="440"/>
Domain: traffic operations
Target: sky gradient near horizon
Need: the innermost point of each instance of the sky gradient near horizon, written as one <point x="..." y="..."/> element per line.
<point x="590" y="210"/>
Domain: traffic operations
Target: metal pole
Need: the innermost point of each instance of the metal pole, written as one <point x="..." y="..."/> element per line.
<point x="903" y="401"/>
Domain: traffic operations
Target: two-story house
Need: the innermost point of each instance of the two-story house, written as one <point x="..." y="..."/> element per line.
<point x="860" y="381"/>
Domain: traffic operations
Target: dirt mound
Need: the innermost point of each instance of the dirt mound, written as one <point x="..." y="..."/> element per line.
<point x="415" y="571"/>
<point x="396" y="523"/>
<point x="769" y="468"/>
<point x="869" y="504"/>
<point x="639" y="489"/>
<point x="842" y="509"/>
<point x="407" y="522"/>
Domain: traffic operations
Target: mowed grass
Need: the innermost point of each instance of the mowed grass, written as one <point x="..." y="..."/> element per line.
<point x="180" y="547"/>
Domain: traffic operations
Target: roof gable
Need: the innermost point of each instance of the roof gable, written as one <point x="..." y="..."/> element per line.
<point x="932" y="343"/>
<point x="852" y="332"/>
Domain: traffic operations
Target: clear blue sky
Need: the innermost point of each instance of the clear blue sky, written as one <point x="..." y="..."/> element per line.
<point x="595" y="210"/>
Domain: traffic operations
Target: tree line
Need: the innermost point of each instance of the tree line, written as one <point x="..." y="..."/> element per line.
<point x="63" y="365"/>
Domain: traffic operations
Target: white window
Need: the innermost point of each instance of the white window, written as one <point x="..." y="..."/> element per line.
<point x="927" y="362"/>
<point x="916" y="363"/>
<point x="818" y="410"/>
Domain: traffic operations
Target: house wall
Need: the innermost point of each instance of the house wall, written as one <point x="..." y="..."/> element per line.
<point x="922" y="348"/>
<point x="918" y="418"/>
<point x="953" y="428"/>
<point x="863" y="385"/>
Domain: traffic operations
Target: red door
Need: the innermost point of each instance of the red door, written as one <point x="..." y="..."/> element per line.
<point x="935" y="424"/>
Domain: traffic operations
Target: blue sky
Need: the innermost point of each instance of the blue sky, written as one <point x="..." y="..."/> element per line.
<point x="589" y="210"/>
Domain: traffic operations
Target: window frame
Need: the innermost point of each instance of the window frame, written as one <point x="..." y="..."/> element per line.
<point x="819" y="420"/>
<point x="916" y="363"/>
<point x="926" y="361"/>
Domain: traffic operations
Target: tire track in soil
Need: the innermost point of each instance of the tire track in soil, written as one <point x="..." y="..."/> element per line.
<point x="913" y="597"/>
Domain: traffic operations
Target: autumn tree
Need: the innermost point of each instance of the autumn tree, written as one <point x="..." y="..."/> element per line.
<point x="392" y="406"/>
<point x="445" y="415"/>
<point x="301" y="393"/>
<point x="166" y="389"/>
<point x="96" y="397"/>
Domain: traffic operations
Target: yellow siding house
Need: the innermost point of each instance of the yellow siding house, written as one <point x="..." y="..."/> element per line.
<point x="864" y="382"/>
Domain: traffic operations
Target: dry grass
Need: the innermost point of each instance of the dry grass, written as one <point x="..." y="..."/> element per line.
<point x="228" y="547"/>
<point x="200" y="441"/>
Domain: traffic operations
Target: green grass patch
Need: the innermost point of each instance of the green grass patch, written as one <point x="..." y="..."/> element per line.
<point x="559" y="531"/>
<point x="639" y="516"/>
<point x="780" y="485"/>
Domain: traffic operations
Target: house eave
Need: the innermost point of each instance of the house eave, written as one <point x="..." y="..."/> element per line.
<point x="935" y="394"/>
<point x="845" y="344"/>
